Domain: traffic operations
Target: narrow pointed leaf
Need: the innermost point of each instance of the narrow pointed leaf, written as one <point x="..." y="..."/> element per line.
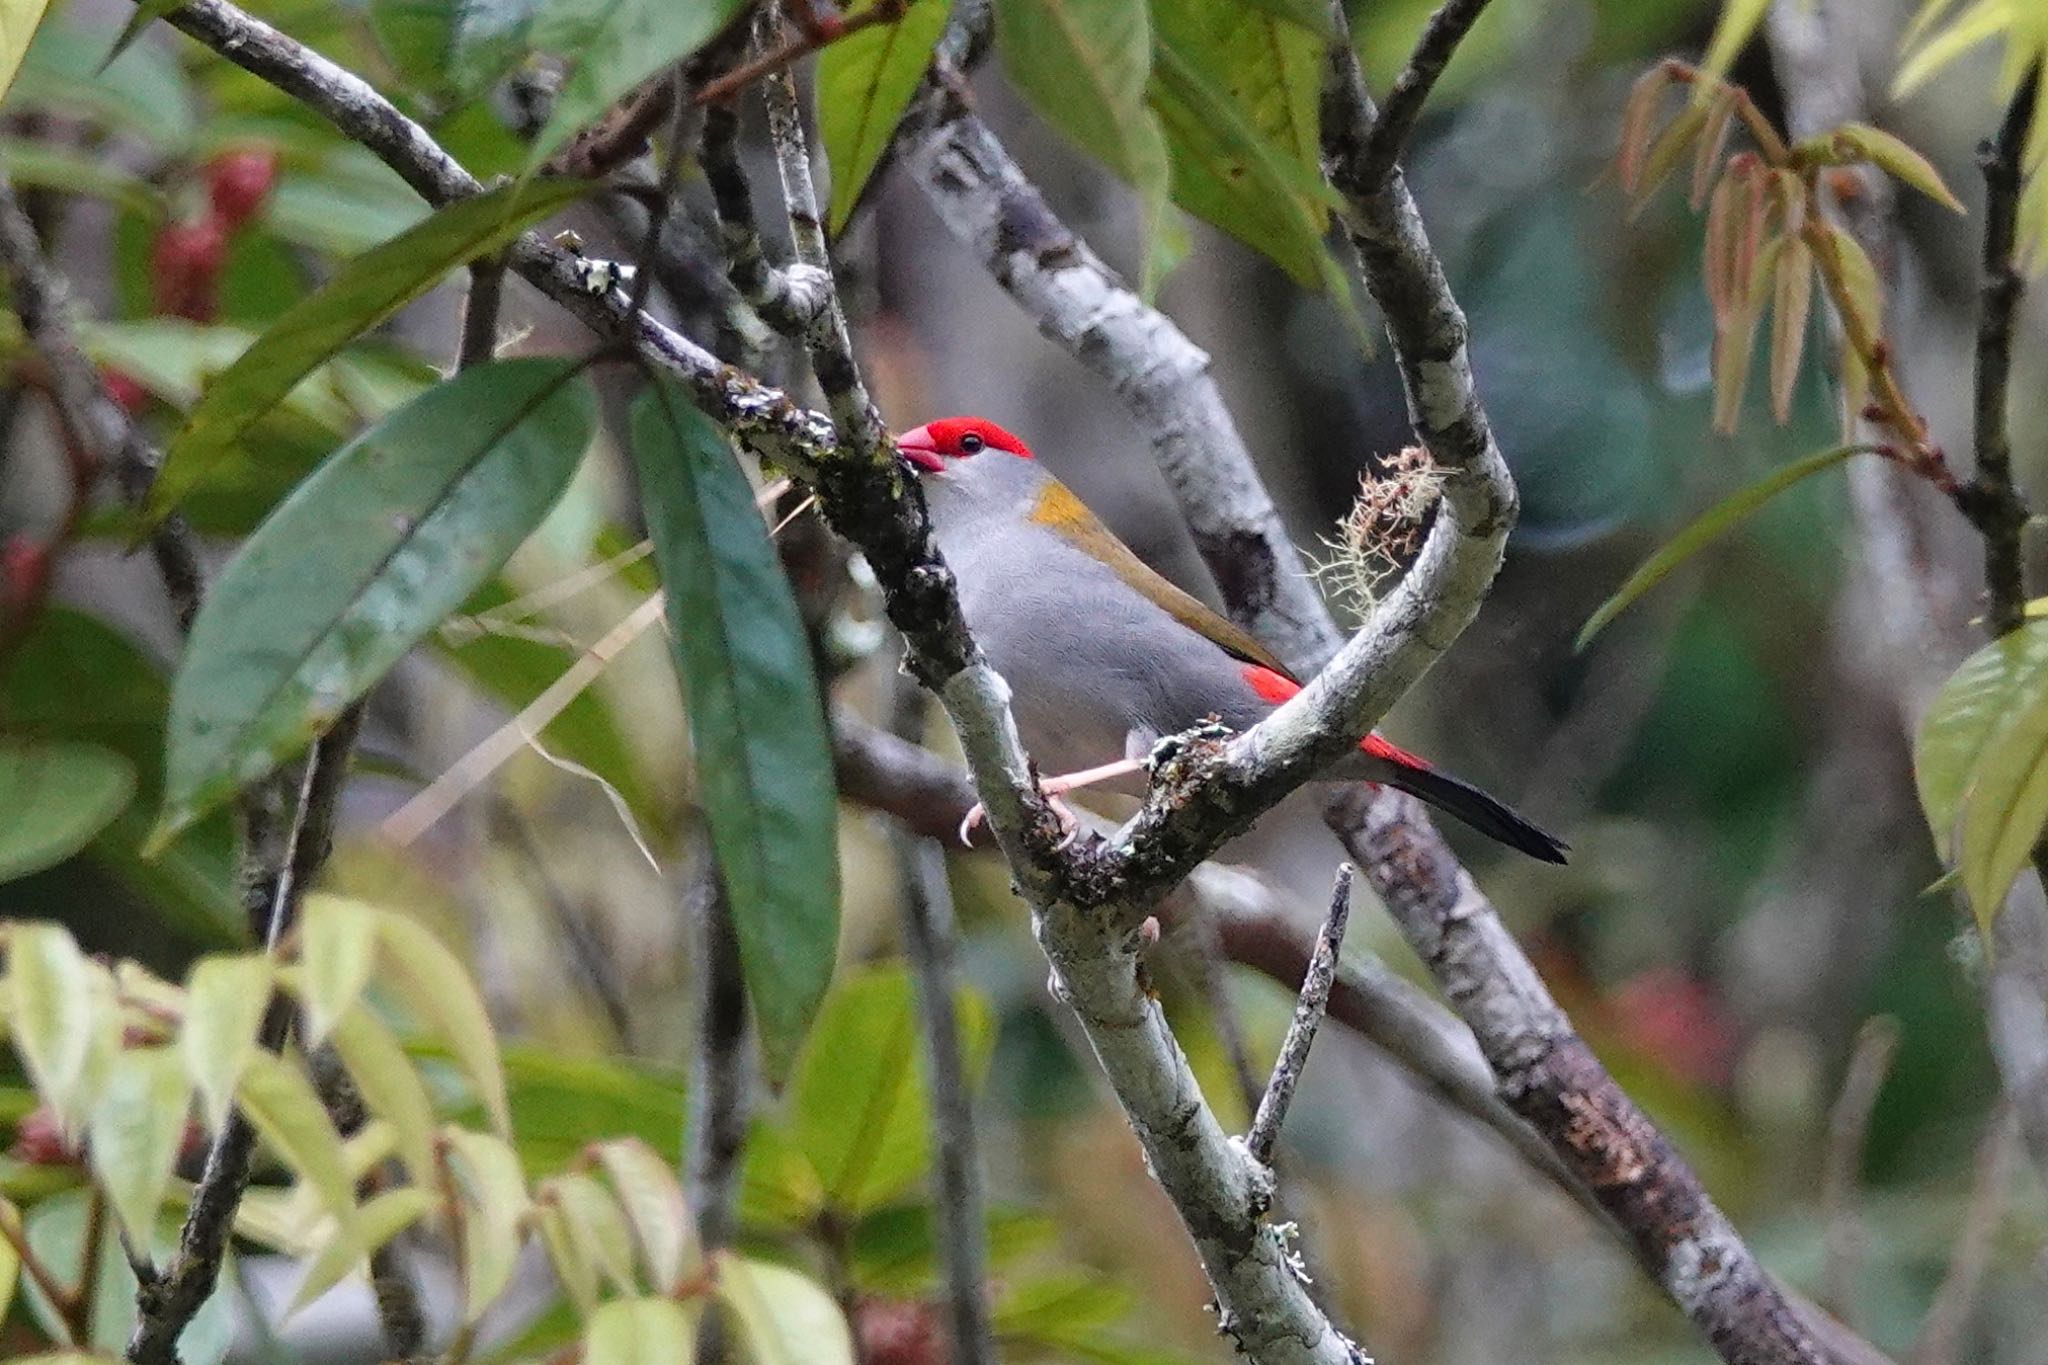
<point x="1968" y="719"/>
<point x="1859" y="277"/>
<point x="353" y="1242"/>
<point x="224" y="1002"/>
<point x="1732" y="32"/>
<point x="439" y="994"/>
<point x="18" y="21"/>
<point x="280" y="1102"/>
<point x="1979" y="23"/>
<point x="337" y="948"/>
<point x="1713" y="144"/>
<point x="1638" y="122"/>
<point x="783" y="1317"/>
<point x="390" y="1086"/>
<point x="653" y="1200"/>
<point x="644" y="1332"/>
<point x="1723" y="517"/>
<point x="756" y="722"/>
<point x="146" y="13"/>
<point x="1898" y="159"/>
<point x="613" y="46"/>
<point x="365" y="292"/>
<point x="1667" y="150"/>
<point x="1791" y="306"/>
<point x="137" y="1127"/>
<point x="864" y="84"/>
<point x="494" y="1207"/>
<point x="364" y="558"/>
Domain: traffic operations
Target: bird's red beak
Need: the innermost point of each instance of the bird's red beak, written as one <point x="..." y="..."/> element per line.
<point x="920" y="449"/>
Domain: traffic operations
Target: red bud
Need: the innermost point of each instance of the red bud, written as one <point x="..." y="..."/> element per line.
<point x="185" y="263"/>
<point x="39" y="1141"/>
<point x="123" y="389"/>
<point x="238" y="183"/>
<point x="898" y="1332"/>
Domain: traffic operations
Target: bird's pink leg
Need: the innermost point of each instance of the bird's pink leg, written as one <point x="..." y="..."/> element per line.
<point x="1053" y="788"/>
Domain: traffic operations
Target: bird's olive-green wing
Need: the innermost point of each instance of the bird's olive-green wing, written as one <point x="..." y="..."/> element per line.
<point x="1059" y="511"/>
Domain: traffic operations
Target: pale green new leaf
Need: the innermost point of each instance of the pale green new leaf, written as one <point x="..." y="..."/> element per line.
<point x="783" y="1317"/>
<point x="1981" y="22"/>
<point x="390" y="1085"/>
<point x="363" y="293"/>
<point x="569" y="1256"/>
<point x="62" y="1011"/>
<point x="646" y="1332"/>
<point x="224" y="1002"/>
<point x="653" y="1200"/>
<point x="1899" y="159"/>
<point x="354" y="1241"/>
<point x="2006" y="807"/>
<point x="1710" y="526"/>
<point x="1967" y="720"/>
<point x="136" y="1129"/>
<point x="439" y="994"/>
<point x="18" y="21"/>
<point x="494" y="1207"/>
<point x="596" y="1221"/>
<point x="1737" y="25"/>
<point x="865" y="82"/>
<point x="280" y="1102"/>
<point x="337" y="948"/>
<point x="10" y="1258"/>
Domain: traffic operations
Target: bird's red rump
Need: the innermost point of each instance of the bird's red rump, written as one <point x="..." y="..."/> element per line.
<point x="1276" y="687"/>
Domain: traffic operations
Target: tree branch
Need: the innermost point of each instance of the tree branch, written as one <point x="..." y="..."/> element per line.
<point x="1301" y="1030"/>
<point x="1389" y="135"/>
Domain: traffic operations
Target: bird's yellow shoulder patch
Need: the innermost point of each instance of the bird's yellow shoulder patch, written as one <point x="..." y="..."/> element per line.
<point x="1058" y="508"/>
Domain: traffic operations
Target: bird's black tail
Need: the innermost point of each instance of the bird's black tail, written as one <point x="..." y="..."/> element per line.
<point x="1475" y="808"/>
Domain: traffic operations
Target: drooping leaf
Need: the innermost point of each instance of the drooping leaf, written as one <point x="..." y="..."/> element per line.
<point x="18" y="20"/>
<point x="613" y="46"/>
<point x="2005" y="808"/>
<point x="860" y="1109"/>
<point x="1710" y="526"/>
<point x="865" y="82"/>
<point x="1707" y="159"/>
<point x="1791" y="307"/>
<point x="598" y="1225"/>
<point x="362" y="294"/>
<point x="337" y="948"/>
<point x="783" y="1317"/>
<point x="569" y="1256"/>
<point x="359" y="563"/>
<point x="489" y="38"/>
<point x="61" y="1014"/>
<point x="642" y="1332"/>
<point x="136" y="1130"/>
<point x="353" y="1242"/>
<point x="439" y="993"/>
<point x="390" y="1086"/>
<point x="653" y="1200"/>
<point x="756" y="722"/>
<point x="58" y="795"/>
<point x="280" y="1102"/>
<point x="1995" y="685"/>
<point x="1735" y="339"/>
<point x="494" y="1205"/>
<point x="1638" y="122"/>
<point x="224" y="1002"/>
<point x="1898" y="159"/>
<point x="1667" y="150"/>
<point x="418" y="37"/>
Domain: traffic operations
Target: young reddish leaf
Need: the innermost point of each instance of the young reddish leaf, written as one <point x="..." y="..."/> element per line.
<point x="1713" y="143"/>
<point x="1638" y="119"/>
<point x="1897" y="158"/>
<point x="1754" y="226"/>
<point x="1665" y="152"/>
<point x="1717" y="257"/>
<point x="1710" y="526"/>
<point x="1734" y="341"/>
<point x="1791" y="306"/>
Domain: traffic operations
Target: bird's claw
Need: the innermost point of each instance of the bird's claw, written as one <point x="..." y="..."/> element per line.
<point x="1169" y="747"/>
<point x="971" y="822"/>
<point x="1070" y="828"/>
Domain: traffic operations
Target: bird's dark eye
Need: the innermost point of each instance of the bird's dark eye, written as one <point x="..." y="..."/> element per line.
<point x="971" y="444"/>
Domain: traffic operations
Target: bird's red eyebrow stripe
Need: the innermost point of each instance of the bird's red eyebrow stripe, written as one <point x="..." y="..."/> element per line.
<point x="1277" y="687"/>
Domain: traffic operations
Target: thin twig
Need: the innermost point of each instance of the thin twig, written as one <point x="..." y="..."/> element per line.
<point x="1440" y="38"/>
<point x="1941" y="1334"/>
<point x="787" y="299"/>
<point x="721" y="1075"/>
<point x="1848" y="1123"/>
<point x="480" y="313"/>
<point x="778" y="59"/>
<point x="1301" y="1031"/>
<point x="931" y="941"/>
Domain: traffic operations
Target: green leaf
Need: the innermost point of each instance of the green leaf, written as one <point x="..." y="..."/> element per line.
<point x="560" y="1104"/>
<point x="10" y="1259"/>
<point x="1737" y="25"/>
<point x="1981" y="21"/>
<point x="280" y="1103"/>
<point x="418" y="37"/>
<point x="62" y="1012"/>
<point x="225" y="998"/>
<point x="18" y="21"/>
<point x="146" y="13"/>
<point x="489" y="38"/>
<point x="642" y="1332"/>
<point x="614" y="45"/>
<point x="1898" y="159"/>
<point x="2006" y="807"/>
<point x="58" y="795"/>
<point x="1084" y="66"/>
<point x="136" y="1130"/>
<point x="359" y="563"/>
<point x="365" y="292"/>
<point x="860" y="1109"/>
<point x="439" y="993"/>
<point x="337" y="947"/>
<point x="653" y="1200"/>
<point x="756" y="722"/>
<point x="1312" y="15"/>
<point x="53" y="166"/>
<point x="783" y="1317"/>
<point x="598" y="1226"/>
<point x="569" y="1256"/>
<point x="494" y="1202"/>
<point x="865" y="82"/>
<point x="1717" y="521"/>
<point x="148" y="95"/>
<point x="390" y="1086"/>
<point x="354" y="1241"/>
